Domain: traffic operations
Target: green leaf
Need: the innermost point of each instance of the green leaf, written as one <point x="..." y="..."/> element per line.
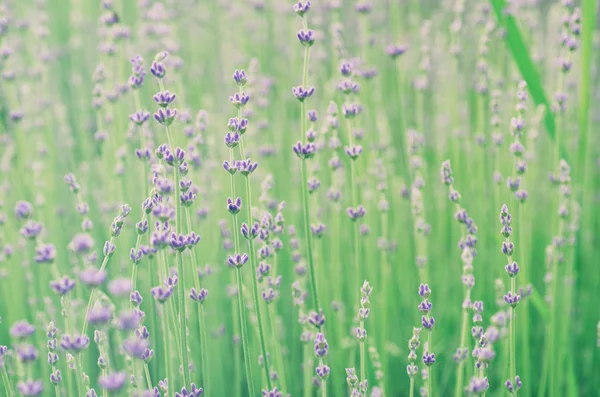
<point x="540" y="305"/>
<point x="527" y="68"/>
<point x="588" y="12"/>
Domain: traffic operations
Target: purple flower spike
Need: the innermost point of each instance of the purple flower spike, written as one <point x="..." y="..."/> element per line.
<point x="512" y="299"/>
<point x="512" y="269"/>
<point x="321" y="345"/>
<point x="478" y="385"/>
<point x="74" y="344"/>
<point x="31" y="230"/>
<point x="395" y="50"/>
<point x="139" y="118"/>
<point x="346" y="69"/>
<point x="22" y="329"/>
<point x="55" y="377"/>
<point x="135" y="347"/>
<point x="232" y="139"/>
<point x="136" y="298"/>
<point x="272" y="393"/>
<point x="157" y="68"/>
<point x="240" y="77"/>
<point x="23" y="210"/>
<point x="230" y="168"/>
<point x="428" y="359"/>
<point x="355" y="214"/>
<point x="119" y="287"/>
<point x="30" y="387"/>
<point x="302" y="93"/>
<point x="27" y="353"/>
<point x="348" y="86"/>
<point x="113" y="382"/>
<point x="62" y="286"/>
<point x="178" y="242"/>
<point x="246" y="167"/>
<point x="192" y="240"/>
<point x="193" y="392"/>
<point x="302" y="7"/>
<point x="425" y="306"/>
<point x="317" y="319"/>
<point x="164" y="99"/>
<point x="45" y="253"/>
<point x="81" y="244"/>
<point x="304" y="151"/>
<point x="306" y="37"/>
<point x="354" y="151"/>
<point x="424" y="291"/>
<point x="165" y="116"/>
<point x="237" y="260"/>
<point x="198" y="296"/>
<point x="161" y="294"/>
<point x="323" y="371"/>
<point x="250" y="233"/>
<point x="99" y="315"/>
<point x="427" y="322"/>
<point x="363" y="7"/>
<point x="239" y="100"/>
<point x="350" y="110"/>
<point x="234" y="206"/>
<point x="92" y="277"/>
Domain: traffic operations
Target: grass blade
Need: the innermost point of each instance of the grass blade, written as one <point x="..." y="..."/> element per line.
<point x="527" y="68"/>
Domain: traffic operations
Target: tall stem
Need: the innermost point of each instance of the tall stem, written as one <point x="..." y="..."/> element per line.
<point x="93" y="292"/>
<point x="244" y="328"/>
<point x="363" y="370"/>
<point x="201" y="315"/>
<point x="240" y="294"/>
<point x="181" y="275"/>
<point x="167" y="348"/>
<point x="255" y="292"/>
<point x="6" y="381"/>
<point x="429" y="372"/>
<point x="458" y="391"/>
<point x="304" y="181"/>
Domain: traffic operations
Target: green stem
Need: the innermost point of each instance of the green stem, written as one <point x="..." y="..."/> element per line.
<point x="244" y="328"/>
<point x="429" y="369"/>
<point x="6" y="381"/>
<point x="304" y="181"/>
<point x="167" y="348"/>
<point x="363" y="370"/>
<point x="256" y="294"/>
<point x="458" y="391"/>
<point x="181" y="275"/>
<point x="323" y="383"/>
<point x="93" y="292"/>
<point x="201" y="315"/>
<point x="148" y="377"/>
<point x="271" y="313"/>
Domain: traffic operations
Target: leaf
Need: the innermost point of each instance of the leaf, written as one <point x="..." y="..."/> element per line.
<point x="528" y="70"/>
<point x="540" y="305"/>
<point x="588" y="12"/>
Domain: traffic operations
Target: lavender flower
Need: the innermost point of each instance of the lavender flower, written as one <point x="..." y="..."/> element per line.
<point x="113" y="382"/>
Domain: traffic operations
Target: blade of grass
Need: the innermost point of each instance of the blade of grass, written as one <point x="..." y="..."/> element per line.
<point x="588" y="7"/>
<point x="527" y="68"/>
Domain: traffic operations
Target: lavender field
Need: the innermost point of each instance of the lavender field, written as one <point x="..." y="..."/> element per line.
<point x="322" y="198"/>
